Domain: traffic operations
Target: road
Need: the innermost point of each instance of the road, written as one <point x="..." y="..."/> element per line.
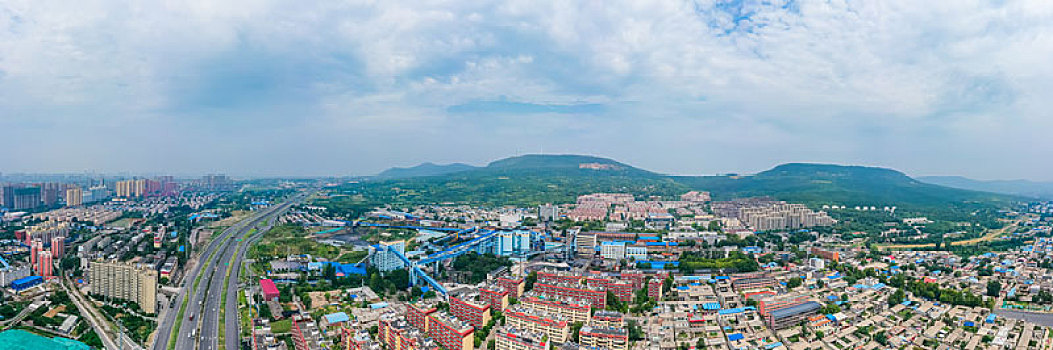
<point x="97" y="321"/>
<point x="231" y="304"/>
<point x="200" y="321"/>
<point x="18" y="318"/>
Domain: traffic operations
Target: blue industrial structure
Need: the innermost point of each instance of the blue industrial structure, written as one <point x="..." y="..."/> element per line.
<point x="520" y="243"/>
<point x="26" y="283"/>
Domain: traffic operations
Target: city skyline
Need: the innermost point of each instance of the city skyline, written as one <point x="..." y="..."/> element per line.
<point x="693" y="87"/>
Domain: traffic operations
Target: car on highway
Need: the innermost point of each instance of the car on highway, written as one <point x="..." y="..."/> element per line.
<point x="191" y="317"/>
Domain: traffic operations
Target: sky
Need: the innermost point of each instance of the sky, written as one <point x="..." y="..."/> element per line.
<point x="334" y="88"/>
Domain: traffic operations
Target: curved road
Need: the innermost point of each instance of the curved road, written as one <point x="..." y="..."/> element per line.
<point x="204" y="302"/>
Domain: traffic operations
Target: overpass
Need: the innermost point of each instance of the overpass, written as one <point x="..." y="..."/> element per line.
<point x="484" y="243"/>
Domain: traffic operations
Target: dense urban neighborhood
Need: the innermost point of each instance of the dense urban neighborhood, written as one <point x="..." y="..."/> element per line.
<point x="215" y="263"/>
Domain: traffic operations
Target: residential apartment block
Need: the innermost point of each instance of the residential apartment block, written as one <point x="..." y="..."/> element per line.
<point x="125" y="281"/>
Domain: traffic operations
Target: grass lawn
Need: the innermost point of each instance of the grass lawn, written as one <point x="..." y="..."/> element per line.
<point x="283" y="326"/>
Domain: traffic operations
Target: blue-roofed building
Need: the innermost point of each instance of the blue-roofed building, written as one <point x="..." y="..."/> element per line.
<point x="735" y="336"/>
<point x="26" y="283"/>
<point x="991" y="318"/>
<point x="334" y="319"/>
<point x="730" y="311"/>
<point x="349" y="269"/>
<point x="661" y="265"/>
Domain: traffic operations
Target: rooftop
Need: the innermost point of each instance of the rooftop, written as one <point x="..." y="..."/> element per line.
<point x="796" y="309"/>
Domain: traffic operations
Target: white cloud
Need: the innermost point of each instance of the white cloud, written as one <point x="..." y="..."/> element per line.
<point x="834" y="81"/>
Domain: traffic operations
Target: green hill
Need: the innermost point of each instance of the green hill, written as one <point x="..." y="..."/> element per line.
<point x="534" y="179"/>
<point x="425" y="169"/>
<point x="818" y="184"/>
<point x="546" y="162"/>
<point x="525" y="180"/>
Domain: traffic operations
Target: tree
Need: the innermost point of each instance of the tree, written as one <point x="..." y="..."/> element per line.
<point x="635" y="331"/>
<point x="881" y="338"/>
<point x="400" y="278"/>
<point x="530" y="280"/>
<point x="575" y="328"/>
<point x="614" y="304"/>
<point x="830" y="309"/>
<point x="794" y="282"/>
<point x="896" y="298"/>
<point x="993" y="288"/>
<point x="329" y="272"/>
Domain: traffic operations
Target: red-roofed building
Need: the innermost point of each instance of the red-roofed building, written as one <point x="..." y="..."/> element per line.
<point x="471" y="308"/>
<point x="514" y="286"/>
<point x="270" y="291"/>
<point x="496" y="296"/>
<point x="654" y="289"/>
<point x="595" y="296"/>
<point x="417" y="315"/>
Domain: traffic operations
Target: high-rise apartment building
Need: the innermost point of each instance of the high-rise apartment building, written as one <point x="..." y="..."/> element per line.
<point x="44" y="264"/>
<point x="58" y="246"/>
<point x="547" y="213"/>
<point x="74" y="196"/>
<point x="50" y="193"/>
<point x="45" y="231"/>
<point x="35" y="247"/>
<point x="125" y="281"/>
<point x="762" y="214"/>
<point x="19" y="197"/>
<point x="131" y="188"/>
<point x="386" y="260"/>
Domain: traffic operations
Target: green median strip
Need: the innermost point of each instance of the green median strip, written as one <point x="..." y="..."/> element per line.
<point x="186" y="299"/>
<point x="223" y="308"/>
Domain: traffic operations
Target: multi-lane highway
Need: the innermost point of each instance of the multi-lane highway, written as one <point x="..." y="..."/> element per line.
<point x="199" y="328"/>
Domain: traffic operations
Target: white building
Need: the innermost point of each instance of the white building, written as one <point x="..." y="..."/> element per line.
<point x="10" y="273"/>
<point x="548" y="213"/>
<point x="612" y="250"/>
<point x="636" y="253"/>
<point x="385" y="260"/>
<point x="515" y="242"/>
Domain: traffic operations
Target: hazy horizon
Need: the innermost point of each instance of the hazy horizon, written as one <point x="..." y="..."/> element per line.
<point x="264" y="89"/>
